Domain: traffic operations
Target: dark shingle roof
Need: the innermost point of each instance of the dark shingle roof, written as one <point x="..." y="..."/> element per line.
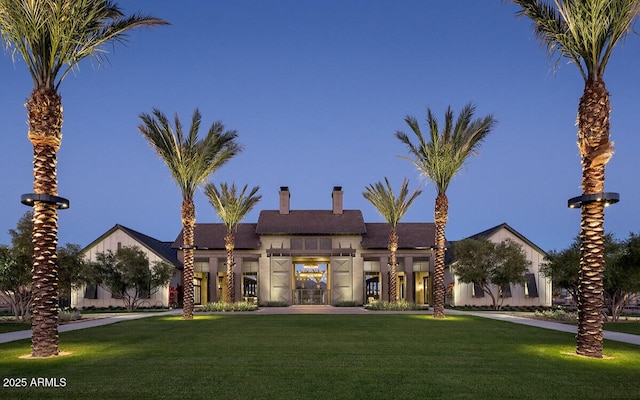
<point x="211" y="236"/>
<point x="310" y="222"/>
<point x="160" y="248"/>
<point x="411" y="235"/>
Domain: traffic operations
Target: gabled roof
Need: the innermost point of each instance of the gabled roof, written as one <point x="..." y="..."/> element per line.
<point x="492" y="231"/>
<point x="310" y="222"/>
<point x="211" y="236"/>
<point x="411" y="235"/>
<point x="162" y="249"/>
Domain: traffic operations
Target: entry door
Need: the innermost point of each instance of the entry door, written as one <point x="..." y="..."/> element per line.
<point x="341" y="279"/>
<point x="280" y="277"/>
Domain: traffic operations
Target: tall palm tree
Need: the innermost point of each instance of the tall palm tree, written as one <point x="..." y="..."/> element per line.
<point x="53" y="36"/>
<point x="190" y="161"/>
<point x="231" y="207"/>
<point x="586" y="32"/>
<point x="392" y="210"/>
<point x="440" y="160"/>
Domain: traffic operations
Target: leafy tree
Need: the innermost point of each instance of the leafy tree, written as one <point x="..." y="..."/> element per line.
<point x="126" y="273"/>
<point x="586" y="32"/>
<point x="440" y="160"/>
<point x="190" y="161"/>
<point x="15" y="284"/>
<point x="52" y="37"/>
<point x="492" y="266"/>
<point x="392" y="210"/>
<point x="70" y="266"/>
<point x="231" y="207"/>
<point x="622" y="275"/>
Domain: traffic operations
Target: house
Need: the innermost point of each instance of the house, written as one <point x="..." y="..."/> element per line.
<point x="328" y="257"/>
<point x="115" y="238"/>
<point x="312" y="257"/>
<point x="536" y="291"/>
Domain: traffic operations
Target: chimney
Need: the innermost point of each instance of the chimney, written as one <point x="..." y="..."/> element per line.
<point x="336" y="197"/>
<point x="284" y="200"/>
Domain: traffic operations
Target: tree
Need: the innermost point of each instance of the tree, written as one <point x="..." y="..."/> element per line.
<point x="563" y="268"/>
<point x="586" y="32"/>
<point x="15" y="284"/>
<point x="392" y="210"/>
<point x="126" y="273"/>
<point x="70" y="265"/>
<point x="622" y="275"/>
<point x="15" y="269"/>
<point x="190" y="161"/>
<point x="53" y="36"/>
<point x="492" y="266"/>
<point x="231" y="207"/>
<point x="440" y="160"/>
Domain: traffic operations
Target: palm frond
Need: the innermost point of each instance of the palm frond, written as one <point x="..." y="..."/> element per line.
<point x="585" y="32"/>
<point x="391" y="208"/>
<point x="189" y="159"/>
<point x="442" y="158"/>
<point x="53" y="36"/>
<point x="231" y="206"/>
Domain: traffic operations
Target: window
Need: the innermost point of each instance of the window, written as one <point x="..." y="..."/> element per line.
<point x="91" y="292"/>
<point x="530" y="287"/>
<point x="372" y="286"/>
<point x="505" y="291"/>
<point x="476" y="290"/>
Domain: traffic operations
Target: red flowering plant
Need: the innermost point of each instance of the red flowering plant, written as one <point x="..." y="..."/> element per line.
<point x="173" y="297"/>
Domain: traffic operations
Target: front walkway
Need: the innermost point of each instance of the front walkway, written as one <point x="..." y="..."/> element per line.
<point x="105" y="319"/>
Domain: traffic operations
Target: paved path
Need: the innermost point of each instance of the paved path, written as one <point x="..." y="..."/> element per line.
<point x="105" y="319"/>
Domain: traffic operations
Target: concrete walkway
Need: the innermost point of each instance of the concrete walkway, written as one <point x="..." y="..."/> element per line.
<point x="106" y="319"/>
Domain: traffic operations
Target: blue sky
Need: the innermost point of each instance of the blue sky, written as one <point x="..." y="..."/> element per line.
<point x="317" y="90"/>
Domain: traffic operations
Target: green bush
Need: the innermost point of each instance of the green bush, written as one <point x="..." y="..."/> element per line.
<point x="228" y="307"/>
<point x="346" y="303"/>
<point x="557" y="314"/>
<point x="400" y="305"/>
<point x="69" y="315"/>
<point x="275" y="304"/>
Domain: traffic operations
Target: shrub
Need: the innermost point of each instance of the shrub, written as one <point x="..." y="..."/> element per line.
<point x="69" y="315"/>
<point x="275" y="304"/>
<point x="228" y="307"/>
<point x="557" y="314"/>
<point x="400" y="305"/>
<point x="346" y="303"/>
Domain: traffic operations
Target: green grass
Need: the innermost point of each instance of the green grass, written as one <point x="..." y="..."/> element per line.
<point x="11" y="326"/>
<point x="390" y="356"/>
<point x="624" y="327"/>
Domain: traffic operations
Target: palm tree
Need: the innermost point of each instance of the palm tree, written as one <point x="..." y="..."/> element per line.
<point x="392" y="210"/>
<point x="231" y="208"/>
<point x="586" y="32"/>
<point x="190" y="161"/>
<point x="440" y="160"/>
<point x="53" y="36"/>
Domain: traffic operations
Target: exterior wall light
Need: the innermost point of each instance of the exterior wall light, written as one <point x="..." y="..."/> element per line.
<point x="607" y="198"/>
<point x="30" y="199"/>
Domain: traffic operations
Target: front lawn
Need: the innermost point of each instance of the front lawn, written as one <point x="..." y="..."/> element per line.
<point x="390" y="356"/>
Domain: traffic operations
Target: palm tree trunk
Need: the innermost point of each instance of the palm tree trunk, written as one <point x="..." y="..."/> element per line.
<point x="595" y="150"/>
<point x="231" y="284"/>
<point x="441" y="215"/>
<point x="44" y="110"/>
<point x="188" y="226"/>
<point x="393" y="262"/>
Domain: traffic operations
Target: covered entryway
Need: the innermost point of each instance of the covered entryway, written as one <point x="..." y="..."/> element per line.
<point x="310" y="282"/>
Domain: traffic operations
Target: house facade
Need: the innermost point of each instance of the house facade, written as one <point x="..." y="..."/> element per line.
<point x="322" y="257"/>
<point x="115" y="238"/>
<point x="314" y="257"/>
<point x="536" y="291"/>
